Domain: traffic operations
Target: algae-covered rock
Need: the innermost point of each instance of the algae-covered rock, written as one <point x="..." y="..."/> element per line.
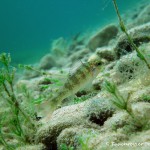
<point x="141" y="111"/>
<point x="79" y="55"/>
<point x="76" y="137"/>
<point x="142" y="137"/>
<point x="142" y="94"/>
<point x="139" y="35"/>
<point x="87" y="138"/>
<point x="130" y="67"/>
<point x="32" y="147"/>
<point x="88" y="114"/>
<point x="102" y="37"/>
<point x="108" y="140"/>
<point x="117" y="121"/>
<point x="106" y="53"/>
<point x="99" y="110"/>
<point x="61" y="119"/>
<point x="1" y="147"/>
<point x="128" y="70"/>
<point x="59" y="47"/>
<point x="143" y="16"/>
<point x="47" y="62"/>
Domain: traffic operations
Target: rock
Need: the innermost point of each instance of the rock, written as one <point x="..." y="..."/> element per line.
<point x="61" y="119"/>
<point x="32" y="147"/>
<point x="128" y="67"/>
<point x="141" y="95"/>
<point x="106" y="53"/>
<point x="77" y="41"/>
<point x="103" y="75"/>
<point x="47" y="62"/>
<point x="141" y="111"/>
<point x="139" y="34"/>
<point x="96" y="84"/>
<point x="125" y="123"/>
<point x="143" y="138"/>
<point x="133" y="15"/>
<point x="99" y="110"/>
<point x="75" y="49"/>
<point x="144" y="12"/>
<point x="30" y="74"/>
<point x="79" y="55"/>
<point x="76" y="137"/>
<point x="117" y="121"/>
<point x="102" y="37"/>
<point x="59" y="47"/>
<point x="87" y="138"/>
<point x="29" y="84"/>
<point x="82" y="114"/>
<point x="108" y="140"/>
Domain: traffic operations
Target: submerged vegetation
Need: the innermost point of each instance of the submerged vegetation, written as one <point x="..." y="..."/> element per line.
<point x="123" y="104"/>
<point x="119" y="101"/>
<point x="123" y="29"/>
<point x="15" y="119"/>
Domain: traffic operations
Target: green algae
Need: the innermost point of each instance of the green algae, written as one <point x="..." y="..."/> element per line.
<point x="18" y="119"/>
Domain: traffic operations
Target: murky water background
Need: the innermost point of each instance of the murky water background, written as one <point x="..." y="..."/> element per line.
<point x="27" y="27"/>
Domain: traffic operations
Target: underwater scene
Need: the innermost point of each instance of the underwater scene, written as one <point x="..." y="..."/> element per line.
<point x="74" y="74"/>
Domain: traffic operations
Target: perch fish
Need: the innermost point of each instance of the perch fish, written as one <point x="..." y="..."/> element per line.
<point x="80" y="76"/>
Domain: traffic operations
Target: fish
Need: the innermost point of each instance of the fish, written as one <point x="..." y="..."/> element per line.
<point x="77" y="79"/>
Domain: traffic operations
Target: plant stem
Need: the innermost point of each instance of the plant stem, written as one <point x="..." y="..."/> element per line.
<point x="123" y="28"/>
<point x="16" y="104"/>
<point x="4" y="142"/>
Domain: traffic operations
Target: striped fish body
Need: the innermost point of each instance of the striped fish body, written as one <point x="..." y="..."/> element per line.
<point x="82" y="75"/>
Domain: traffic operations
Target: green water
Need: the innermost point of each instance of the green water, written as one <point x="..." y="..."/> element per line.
<point x="27" y="27"/>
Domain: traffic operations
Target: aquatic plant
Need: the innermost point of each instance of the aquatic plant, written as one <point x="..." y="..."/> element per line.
<point x="118" y="100"/>
<point x="85" y="138"/>
<point x="65" y="147"/>
<point x="123" y="28"/>
<point x="31" y="68"/>
<point x="82" y="96"/>
<point x="2" y="138"/>
<point x="145" y="98"/>
<point x="77" y="100"/>
<point x="123" y="104"/>
<point x="84" y="142"/>
<point x="17" y="117"/>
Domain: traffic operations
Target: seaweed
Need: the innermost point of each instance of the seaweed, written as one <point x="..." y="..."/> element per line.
<point x="31" y="68"/>
<point x="123" y="104"/>
<point x="18" y="119"/>
<point x="65" y="147"/>
<point x="2" y="137"/>
<point x="118" y="100"/>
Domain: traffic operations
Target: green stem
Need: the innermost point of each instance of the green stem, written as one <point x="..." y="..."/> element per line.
<point x="27" y="118"/>
<point x="5" y="143"/>
<point x="6" y="90"/>
<point x="123" y="28"/>
<point x="16" y="105"/>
